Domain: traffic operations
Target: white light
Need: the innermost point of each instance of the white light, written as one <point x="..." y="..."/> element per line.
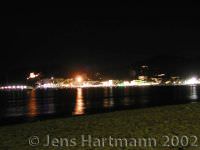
<point x="126" y="83"/>
<point x="192" y="81"/>
<point x="33" y="75"/>
<point x="161" y="75"/>
<point x="110" y="82"/>
<point x="133" y="82"/>
<point x="13" y="87"/>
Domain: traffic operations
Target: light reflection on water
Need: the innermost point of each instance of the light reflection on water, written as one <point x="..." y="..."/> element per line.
<point x="193" y="93"/>
<point x="32" y="104"/>
<point x="108" y="98"/>
<point x="80" y="101"/>
<point x="79" y="106"/>
<point x="126" y="98"/>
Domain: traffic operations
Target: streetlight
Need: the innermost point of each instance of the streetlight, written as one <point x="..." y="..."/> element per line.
<point x="79" y="79"/>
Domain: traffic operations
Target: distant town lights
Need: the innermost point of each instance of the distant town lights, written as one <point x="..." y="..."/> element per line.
<point x="161" y="75"/>
<point x="192" y="81"/>
<point x="108" y="83"/>
<point x="13" y="87"/>
<point x="33" y="75"/>
<point x="126" y="83"/>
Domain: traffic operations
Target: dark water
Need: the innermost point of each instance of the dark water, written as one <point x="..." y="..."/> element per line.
<point x="31" y="105"/>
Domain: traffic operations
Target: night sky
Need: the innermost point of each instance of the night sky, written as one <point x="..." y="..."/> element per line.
<point x="61" y="41"/>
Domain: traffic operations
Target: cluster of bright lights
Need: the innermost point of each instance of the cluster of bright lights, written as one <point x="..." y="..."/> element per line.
<point x="85" y="84"/>
<point x="48" y="85"/>
<point x="137" y="83"/>
<point x="13" y="87"/>
<point x="108" y="83"/>
<point x="33" y="75"/>
<point x="79" y="81"/>
<point x="192" y="81"/>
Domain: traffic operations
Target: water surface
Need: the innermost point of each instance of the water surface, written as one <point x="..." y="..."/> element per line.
<point x="31" y="105"/>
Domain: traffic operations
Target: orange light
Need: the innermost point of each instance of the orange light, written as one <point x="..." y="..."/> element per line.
<point x="79" y="79"/>
<point x="79" y="107"/>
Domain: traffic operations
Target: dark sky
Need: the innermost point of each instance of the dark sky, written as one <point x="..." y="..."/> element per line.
<point x="99" y="39"/>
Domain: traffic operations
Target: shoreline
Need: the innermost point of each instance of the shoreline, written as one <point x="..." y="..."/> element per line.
<point x="13" y="88"/>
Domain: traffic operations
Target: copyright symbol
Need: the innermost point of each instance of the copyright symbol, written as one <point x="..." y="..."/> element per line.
<point x="34" y="141"/>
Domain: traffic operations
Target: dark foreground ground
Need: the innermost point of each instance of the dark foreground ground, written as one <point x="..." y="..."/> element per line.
<point x="169" y="126"/>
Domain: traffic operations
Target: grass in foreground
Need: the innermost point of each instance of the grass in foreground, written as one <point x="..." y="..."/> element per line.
<point x="155" y="123"/>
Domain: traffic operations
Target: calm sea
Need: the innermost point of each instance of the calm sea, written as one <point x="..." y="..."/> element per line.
<point x="32" y="105"/>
